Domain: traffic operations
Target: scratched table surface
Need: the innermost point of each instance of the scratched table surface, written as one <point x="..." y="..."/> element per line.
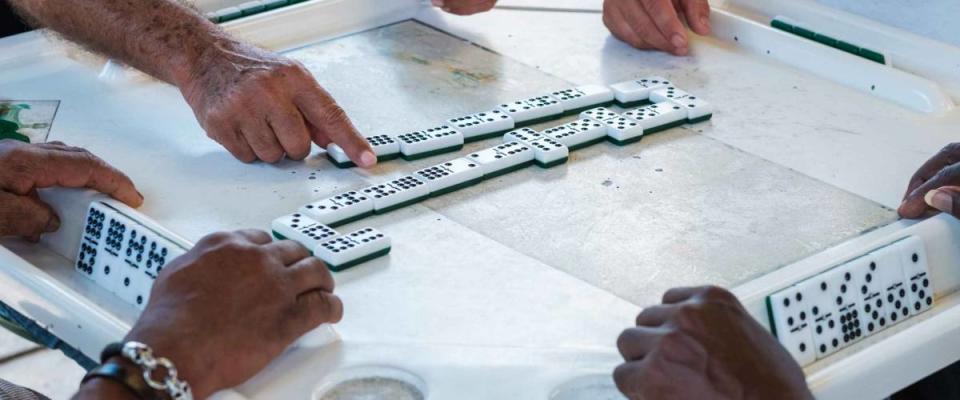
<point x="555" y="258"/>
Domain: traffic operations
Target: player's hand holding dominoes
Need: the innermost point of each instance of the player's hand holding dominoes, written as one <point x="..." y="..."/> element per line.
<point x="225" y="309"/>
<point x="260" y="105"/>
<point x="936" y="185"/>
<point x="464" y="7"/>
<point x="656" y="24"/>
<point x="24" y="168"/>
<point x="701" y="344"/>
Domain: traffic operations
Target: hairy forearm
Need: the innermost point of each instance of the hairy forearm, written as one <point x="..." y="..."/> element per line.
<point x="161" y="37"/>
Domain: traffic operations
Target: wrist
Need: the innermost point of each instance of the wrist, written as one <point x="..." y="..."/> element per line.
<point x="127" y="382"/>
<point x="190" y="367"/>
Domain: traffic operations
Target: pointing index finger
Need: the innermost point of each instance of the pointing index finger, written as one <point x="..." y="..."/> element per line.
<point x="331" y="121"/>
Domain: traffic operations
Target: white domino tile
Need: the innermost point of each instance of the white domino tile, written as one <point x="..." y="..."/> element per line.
<point x="503" y="158"/>
<point x="451" y="175"/>
<point x="667" y="93"/>
<point x="655" y="117"/>
<point x="302" y="229"/>
<point x="353" y="248"/>
<point x="385" y="147"/>
<point x="532" y="109"/>
<point x="482" y="124"/>
<point x="637" y="90"/>
<point x="525" y="135"/>
<point x="598" y="114"/>
<point x="577" y="134"/>
<point x="791" y="322"/>
<point x="913" y="259"/>
<point x="622" y="130"/>
<point x="430" y="141"/>
<point x="582" y="97"/>
<point x="339" y="209"/>
<point x="397" y="193"/>
<point x="549" y="152"/>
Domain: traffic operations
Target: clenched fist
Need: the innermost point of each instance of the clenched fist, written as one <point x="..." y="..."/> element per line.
<point x="701" y="344"/>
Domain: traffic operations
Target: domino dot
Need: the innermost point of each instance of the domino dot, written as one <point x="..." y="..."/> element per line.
<point x="915" y="257"/>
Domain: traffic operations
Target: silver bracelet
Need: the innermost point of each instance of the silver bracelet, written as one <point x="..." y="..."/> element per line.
<point x="142" y="355"/>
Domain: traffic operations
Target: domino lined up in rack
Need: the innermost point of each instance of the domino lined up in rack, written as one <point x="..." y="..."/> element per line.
<point x="455" y="132"/>
<point x="859" y="298"/>
<point x="123" y="255"/>
<point x="790" y="26"/>
<point x="313" y="223"/>
<point x="247" y="9"/>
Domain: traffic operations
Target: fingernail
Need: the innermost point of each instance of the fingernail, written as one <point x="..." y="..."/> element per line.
<point x="437" y="3"/>
<point x="53" y="224"/>
<point x="939" y="200"/>
<point x="705" y="22"/>
<point x="368" y="159"/>
<point x="140" y="194"/>
<point x="678" y="41"/>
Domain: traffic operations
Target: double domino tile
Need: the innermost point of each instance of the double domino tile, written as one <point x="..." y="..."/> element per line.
<point x="338" y="251"/>
<point x="836" y="308"/>
<point x="122" y="255"/>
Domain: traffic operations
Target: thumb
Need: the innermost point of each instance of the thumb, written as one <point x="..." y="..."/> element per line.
<point x="945" y="199"/>
<point x="25" y="216"/>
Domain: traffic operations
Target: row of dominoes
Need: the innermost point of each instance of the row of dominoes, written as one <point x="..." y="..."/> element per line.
<point x="452" y="135"/>
<point x="790" y="26"/>
<point x="836" y="308"/>
<point x="248" y="8"/>
<point x="122" y="255"/>
<point x="312" y="225"/>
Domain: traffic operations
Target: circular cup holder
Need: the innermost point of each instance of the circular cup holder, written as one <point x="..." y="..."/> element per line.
<point x="371" y="382"/>
<point x="589" y="387"/>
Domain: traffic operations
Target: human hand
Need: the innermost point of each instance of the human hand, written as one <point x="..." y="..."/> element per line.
<point x="936" y="185"/>
<point x="465" y="7"/>
<point x="24" y="168"/>
<point x="655" y="24"/>
<point x="225" y="309"/>
<point x="260" y="105"/>
<point x="701" y="344"/>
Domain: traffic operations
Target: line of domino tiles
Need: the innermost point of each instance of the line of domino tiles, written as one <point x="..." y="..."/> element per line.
<point x="122" y="255"/>
<point x="790" y="26"/>
<point x="312" y="225"/>
<point x="247" y="9"/>
<point x="451" y="135"/>
<point x="859" y="298"/>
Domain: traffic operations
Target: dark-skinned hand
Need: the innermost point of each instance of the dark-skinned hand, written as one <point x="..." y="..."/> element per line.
<point x="225" y="309"/>
<point x="935" y="186"/>
<point x="702" y="344"/>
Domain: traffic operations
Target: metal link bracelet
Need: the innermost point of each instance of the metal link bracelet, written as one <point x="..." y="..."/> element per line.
<point x="142" y="355"/>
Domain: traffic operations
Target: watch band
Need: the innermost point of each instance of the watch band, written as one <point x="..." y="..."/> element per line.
<point x="111" y="370"/>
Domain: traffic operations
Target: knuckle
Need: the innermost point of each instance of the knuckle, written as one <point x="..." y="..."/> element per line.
<point x="333" y="112"/>
<point x="716" y="293"/>
<point x="952" y="148"/>
<point x="672" y="342"/>
<point x="216" y="238"/>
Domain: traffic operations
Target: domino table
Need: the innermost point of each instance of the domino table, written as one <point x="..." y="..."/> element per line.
<point x="525" y="279"/>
